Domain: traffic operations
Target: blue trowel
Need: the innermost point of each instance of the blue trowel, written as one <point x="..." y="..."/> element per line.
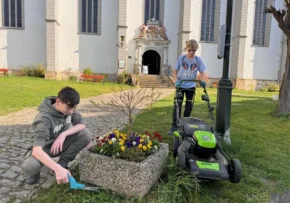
<point x="78" y="186"/>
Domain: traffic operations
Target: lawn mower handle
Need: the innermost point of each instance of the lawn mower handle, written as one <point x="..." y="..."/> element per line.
<point x="199" y="81"/>
<point x="181" y="81"/>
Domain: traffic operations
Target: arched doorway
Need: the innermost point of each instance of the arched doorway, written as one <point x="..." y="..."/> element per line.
<point x="151" y="59"/>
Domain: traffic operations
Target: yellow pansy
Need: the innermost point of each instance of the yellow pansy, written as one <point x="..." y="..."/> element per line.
<point x="121" y="143"/>
<point x="116" y="131"/>
<point x="150" y="143"/>
<point x="149" y="146"/>
<point x="123" y="148"/>
<point x="144" y="148"/>
<point x="141" y="140"/>
<point x="110" y="142"/>
<point x="139" y="146"/>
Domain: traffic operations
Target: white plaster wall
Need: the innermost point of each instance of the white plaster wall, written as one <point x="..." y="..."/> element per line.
<point x="68" y="35"/>
<point x="171" y="23"/>
<point x="207" y="51"/>
<point x="261" y="62"/>
<point x="99" y="52"/>
<point x="134" y="21"/>
<point x="267" y="59"/>
<point x="195" y="26"/>
<point x="249" y="58"/>
<point x="25" y="46"/>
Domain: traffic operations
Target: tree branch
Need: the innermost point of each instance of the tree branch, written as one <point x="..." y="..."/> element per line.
<point x="279" y="16"/>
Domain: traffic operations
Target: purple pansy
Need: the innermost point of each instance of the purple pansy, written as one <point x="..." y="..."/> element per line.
<point x="112" y="136"/>
<point x="128" y="144"/>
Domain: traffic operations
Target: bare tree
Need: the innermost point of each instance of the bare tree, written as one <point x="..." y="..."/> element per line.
<point x="131" y="101"/>
<point x="283" y="18"/>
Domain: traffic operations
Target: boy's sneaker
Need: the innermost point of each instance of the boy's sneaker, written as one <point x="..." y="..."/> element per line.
<point x="173" y="128"/>
<point x="63" y="163"/>
<point x="33" y="179"/>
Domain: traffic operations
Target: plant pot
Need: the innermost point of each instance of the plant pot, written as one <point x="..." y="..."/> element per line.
<point x="130" y="179"/>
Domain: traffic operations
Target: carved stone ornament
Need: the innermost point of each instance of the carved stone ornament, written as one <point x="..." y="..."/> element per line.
<point x="152" y="31"/>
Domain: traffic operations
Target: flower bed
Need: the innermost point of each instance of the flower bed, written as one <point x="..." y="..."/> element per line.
<point x="128" y="165"/>
<point x="93" y="78"/>
<point x="135" y="147"/>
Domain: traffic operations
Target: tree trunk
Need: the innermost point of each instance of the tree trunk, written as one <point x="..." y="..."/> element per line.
<point x="284" y="95"/>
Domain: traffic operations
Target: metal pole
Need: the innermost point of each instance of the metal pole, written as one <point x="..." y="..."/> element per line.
<point x="225" y="86"/>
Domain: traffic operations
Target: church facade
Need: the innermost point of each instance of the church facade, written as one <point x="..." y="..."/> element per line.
<point x="112" y="36"/>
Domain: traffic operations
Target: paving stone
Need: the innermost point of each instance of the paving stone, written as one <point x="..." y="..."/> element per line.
<point x="4" y="156"/>
<point x="10" y="174"/>
<point x="4" y="190"/>
<point x="30" y="187"/>
<point x="17" y="159"/>
<point x="48" y="183"/>
<point x="4" y="165"/>
<point x="16" y="169"/>
<point x="14" y="155"/>
<point x="23" y="145"/>
<point x="4" y="200"/>
<point x="21" y="194"/>
<point x="42" y="180"/>
<point x="10" y="183"/>
<point x="18" y="150"/>
<point x="21" y="178"/>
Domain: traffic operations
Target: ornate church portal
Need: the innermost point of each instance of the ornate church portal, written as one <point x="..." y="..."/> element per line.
<point x="152" y="49"/>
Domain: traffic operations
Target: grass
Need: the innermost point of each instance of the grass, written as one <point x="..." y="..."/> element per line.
<point x="22" y="92"/>
<point x="259" y="140"/>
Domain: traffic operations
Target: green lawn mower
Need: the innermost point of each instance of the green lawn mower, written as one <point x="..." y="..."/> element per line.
<point x="198" y="148"/>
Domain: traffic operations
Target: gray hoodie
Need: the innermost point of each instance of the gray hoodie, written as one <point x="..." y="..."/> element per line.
<point x="49" y="122"/>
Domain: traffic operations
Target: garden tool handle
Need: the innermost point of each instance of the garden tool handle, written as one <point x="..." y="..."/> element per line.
<point x="74" y="184"/>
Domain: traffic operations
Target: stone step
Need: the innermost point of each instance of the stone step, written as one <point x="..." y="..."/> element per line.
<point x="156" y="85"/>
<point x="155" y="81"/>
<point x="148" y="77"/>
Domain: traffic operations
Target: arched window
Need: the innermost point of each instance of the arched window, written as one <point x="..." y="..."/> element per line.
<point x="260" y="23"/>
<point x="208" y="20"/>
<point x="13" y="13"/>
<point x="90" y="16"/>
<point x="152" y="10"/>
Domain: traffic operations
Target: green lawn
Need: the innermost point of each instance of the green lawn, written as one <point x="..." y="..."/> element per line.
<point x="259" y="140"/>
<point x="22" y="92"/>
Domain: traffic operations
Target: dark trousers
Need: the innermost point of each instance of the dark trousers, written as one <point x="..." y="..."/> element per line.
<point x="71" y="147"/>
<point x="189" y="95"/>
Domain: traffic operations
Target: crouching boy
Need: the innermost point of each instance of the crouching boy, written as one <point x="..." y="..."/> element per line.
<point x="58" y="131"/>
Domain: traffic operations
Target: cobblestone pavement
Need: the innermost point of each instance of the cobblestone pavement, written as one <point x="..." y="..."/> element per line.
<point x="16" y="137"/>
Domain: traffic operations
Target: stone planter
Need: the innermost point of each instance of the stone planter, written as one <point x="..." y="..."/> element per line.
<point x="130" y="179"/>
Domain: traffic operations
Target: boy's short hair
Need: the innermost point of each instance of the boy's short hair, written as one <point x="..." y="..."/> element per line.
<point x="192" y="44"/>
<point x="69" y="96"/>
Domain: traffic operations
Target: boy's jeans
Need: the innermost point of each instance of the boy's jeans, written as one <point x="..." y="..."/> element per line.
<point x="71" y="147"/>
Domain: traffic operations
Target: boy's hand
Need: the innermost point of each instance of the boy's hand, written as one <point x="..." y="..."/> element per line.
<point x="61" y="175"/>
<point x="177" y="84"/>
<point x="57" y="145"/>
<point x="203" y="84"/>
